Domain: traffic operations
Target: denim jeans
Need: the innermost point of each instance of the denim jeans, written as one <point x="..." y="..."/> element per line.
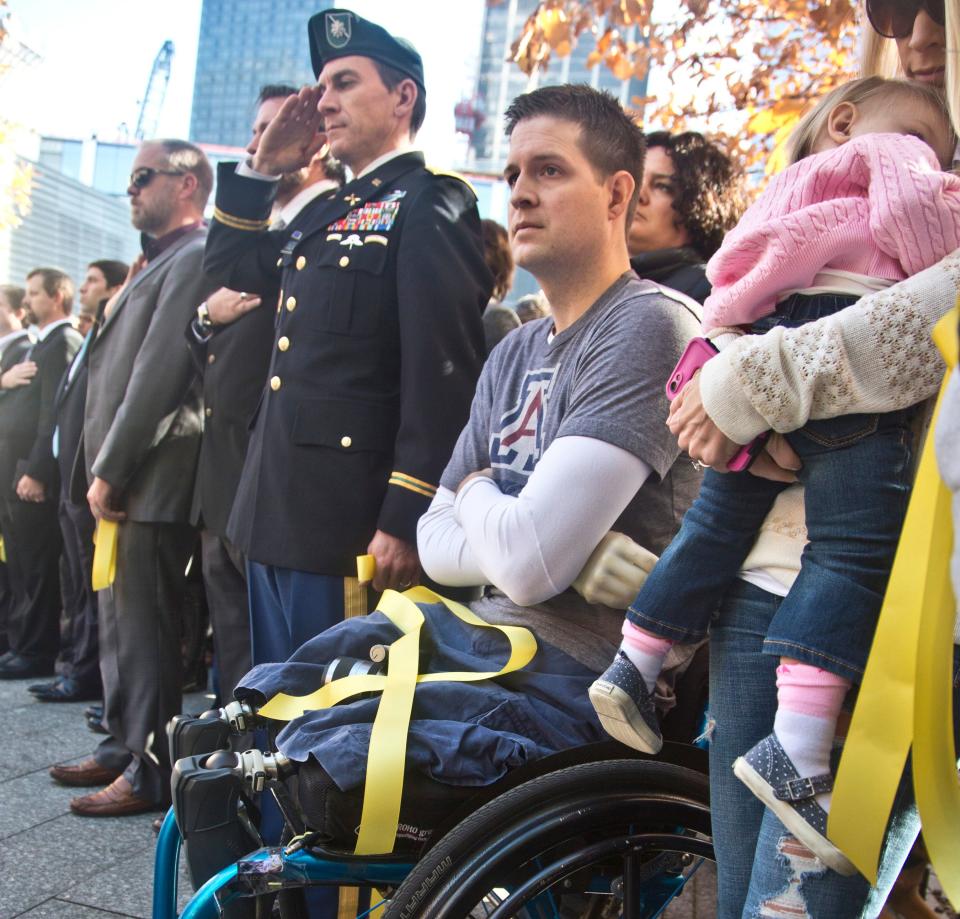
<point x="762" y="870"/>
<point x="857" y="472"/>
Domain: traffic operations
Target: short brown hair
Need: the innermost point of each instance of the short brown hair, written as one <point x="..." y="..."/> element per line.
<point x="610" y="141"/>
<point x="56" y="281"/>
<point x="182" y="156"/>
<point x="114" y="272"/>
<point x="13" y="295"/>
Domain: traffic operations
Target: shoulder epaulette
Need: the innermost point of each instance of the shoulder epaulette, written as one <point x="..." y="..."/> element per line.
<point x="452" y="175"/>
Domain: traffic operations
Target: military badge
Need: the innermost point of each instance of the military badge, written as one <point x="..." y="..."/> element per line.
<point x="372" y="217"/>
<point x="338" y="29"/>
<point x="394" y="195"/>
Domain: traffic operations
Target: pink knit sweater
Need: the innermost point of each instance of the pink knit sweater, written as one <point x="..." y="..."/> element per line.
<point x="877" y="205"/>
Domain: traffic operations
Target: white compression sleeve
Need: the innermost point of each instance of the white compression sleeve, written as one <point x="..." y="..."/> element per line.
<point x="442" y="545"/>
<point x="533" y="546"/>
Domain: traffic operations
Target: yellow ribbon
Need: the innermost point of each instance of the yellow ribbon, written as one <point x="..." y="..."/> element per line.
<point x="905" y="697"/>
<point x="105" y="554"/>
<point x="3" y="551"/>
<point x="388" y="738"/>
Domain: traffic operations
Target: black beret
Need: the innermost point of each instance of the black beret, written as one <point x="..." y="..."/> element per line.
<point x="340" y="33"/>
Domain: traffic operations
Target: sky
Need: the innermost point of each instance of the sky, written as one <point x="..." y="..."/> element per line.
<point x="97" y="56"/>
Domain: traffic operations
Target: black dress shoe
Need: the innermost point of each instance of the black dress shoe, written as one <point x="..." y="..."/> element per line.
<point x="94" y="711"/>
<point x="6" y="656"/>
<point x="95" y="724"/>
<point x="65" y="690"/>
<point x="21" y="668"/>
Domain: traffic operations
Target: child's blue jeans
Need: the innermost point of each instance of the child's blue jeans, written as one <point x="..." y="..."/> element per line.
<point x="857" y="473"/>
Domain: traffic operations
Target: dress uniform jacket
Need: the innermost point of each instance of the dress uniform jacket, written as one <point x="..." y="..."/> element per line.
<point x="377" y="348"/>
<point x="233" y="362"/>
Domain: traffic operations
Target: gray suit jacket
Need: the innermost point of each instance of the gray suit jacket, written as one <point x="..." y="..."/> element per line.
<point x="143" y="415"/>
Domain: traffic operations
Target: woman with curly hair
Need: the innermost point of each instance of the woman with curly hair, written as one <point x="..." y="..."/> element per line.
<point x="692" y="193"/>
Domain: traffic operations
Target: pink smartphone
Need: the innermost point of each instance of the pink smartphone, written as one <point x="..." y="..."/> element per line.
<point x="695" y="355"/>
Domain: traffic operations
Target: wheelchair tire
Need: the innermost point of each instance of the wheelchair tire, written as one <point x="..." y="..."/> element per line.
<point x="625" y="821"/>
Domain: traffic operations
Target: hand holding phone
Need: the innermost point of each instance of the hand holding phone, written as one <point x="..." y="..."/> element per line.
<point x="695" y="355"/>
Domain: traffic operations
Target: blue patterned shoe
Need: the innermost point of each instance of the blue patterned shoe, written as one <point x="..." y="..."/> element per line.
<point x="770" y="774"/>
<point x="625" y="706"/>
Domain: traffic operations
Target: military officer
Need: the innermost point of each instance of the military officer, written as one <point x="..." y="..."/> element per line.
<point x="377" y="341"/>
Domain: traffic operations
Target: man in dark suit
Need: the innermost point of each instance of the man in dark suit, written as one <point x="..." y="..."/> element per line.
<point x="14" y="342"/>
<point x="234" y="357"/>
<point x="378" y="341"/>
<point x="29" y="517"/>
<point x="141" y="438"/>
<point x="79" y="663"/>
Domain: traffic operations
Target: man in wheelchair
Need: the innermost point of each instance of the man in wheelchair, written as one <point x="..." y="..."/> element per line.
<point x="566" y="446"/>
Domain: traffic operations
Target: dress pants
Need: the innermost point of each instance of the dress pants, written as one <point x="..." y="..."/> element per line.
<point x="80" y="649"/>
<point x="140" y="657"/>
<point x="225" y="581"/>
<point x="32" y="542"/>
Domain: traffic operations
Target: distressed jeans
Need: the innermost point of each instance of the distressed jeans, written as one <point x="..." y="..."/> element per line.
<point x="762" y="870"/>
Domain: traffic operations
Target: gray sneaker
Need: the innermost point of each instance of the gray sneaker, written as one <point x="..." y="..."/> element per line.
<point x="769" y="773"/>
<point x="625" y="708"/>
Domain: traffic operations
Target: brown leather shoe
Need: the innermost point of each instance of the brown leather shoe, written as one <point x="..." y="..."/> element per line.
<point x="116" y="800"/>
<point x="83" y="775"/>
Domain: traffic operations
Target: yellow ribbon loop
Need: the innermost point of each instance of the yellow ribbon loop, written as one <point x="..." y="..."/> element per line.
<point x="386" y="757"/>
<point x="105" y="554"/>
<point x="3" y="551"/>
<point x="905" y="697"/>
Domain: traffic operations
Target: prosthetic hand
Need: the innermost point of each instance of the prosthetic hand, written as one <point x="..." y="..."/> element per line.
<point x="615" y="571"/>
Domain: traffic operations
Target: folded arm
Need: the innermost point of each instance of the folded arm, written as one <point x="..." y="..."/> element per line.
<point x="532" y="546"/>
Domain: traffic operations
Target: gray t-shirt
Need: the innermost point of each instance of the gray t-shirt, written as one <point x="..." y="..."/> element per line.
<point x="603" y="377"/>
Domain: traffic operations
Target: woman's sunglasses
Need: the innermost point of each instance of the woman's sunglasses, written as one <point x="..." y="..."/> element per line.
<point x="142" y="177"/>
<point x="895" y="18"/>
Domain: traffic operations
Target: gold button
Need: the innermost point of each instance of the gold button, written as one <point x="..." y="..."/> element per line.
<point x="291" y="303"/>
<point x="344" y="261"/>
<point x="284" y="343"/>
<point x="208" y="411"/>
<point x="211" y="358"/>
<point x="275" y="383"/>
<point x="346" y="441"/>
<point x="279" y="262"/>
<point x="301" y="263"/>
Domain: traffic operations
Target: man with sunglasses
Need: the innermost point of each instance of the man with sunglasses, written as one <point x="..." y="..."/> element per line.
<point x="142" y="423"/>
<point x="378" y="340"/>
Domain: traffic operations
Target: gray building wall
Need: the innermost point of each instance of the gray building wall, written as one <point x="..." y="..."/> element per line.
<point x="69" y="225"/>
<point x="499" y="80"/>
<point x="243" y="45"/>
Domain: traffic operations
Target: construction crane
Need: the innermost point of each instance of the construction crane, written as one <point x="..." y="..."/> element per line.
<point x="152" y="103"/>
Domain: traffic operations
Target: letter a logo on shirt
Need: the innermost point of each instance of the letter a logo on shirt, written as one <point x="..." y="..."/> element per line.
<point x="518" y="443"/>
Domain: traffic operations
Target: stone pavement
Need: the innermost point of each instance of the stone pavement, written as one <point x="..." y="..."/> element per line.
<point x="53" y="864"/>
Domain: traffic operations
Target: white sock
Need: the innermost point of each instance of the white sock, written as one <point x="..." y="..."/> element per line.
<point x="808" y="741"/>
<point x="648" y="662"/>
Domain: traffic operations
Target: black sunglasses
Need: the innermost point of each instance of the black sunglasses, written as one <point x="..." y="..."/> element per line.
<point x="895" y="18"/>
<point x="142" y="177"/>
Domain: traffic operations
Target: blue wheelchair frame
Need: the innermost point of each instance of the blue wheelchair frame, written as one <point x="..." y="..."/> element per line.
<point x="303" y="867"/>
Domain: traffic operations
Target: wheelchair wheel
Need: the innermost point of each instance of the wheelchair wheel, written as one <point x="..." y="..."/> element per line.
<point x="606" y="839"/>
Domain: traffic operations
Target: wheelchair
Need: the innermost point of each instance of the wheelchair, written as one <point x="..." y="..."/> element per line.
<point x="596" y="832"/>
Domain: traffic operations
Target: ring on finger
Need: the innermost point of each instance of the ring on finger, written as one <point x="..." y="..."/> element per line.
<point x="243" y="295"/>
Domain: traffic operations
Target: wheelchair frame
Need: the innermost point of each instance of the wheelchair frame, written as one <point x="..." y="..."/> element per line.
<point x="269" y="870"/>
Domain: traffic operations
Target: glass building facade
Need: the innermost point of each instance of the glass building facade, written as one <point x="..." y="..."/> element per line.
<point x="500" y="80"/>
<point x="243" y="45"/>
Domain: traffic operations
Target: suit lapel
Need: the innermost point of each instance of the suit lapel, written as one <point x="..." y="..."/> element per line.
<point x="151" y="267"/>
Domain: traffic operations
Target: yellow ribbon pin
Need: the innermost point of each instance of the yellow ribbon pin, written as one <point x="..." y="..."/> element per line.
<point x="383" y="787"/>
<point x="105" y="554"/>
<point x="906" y="696"/>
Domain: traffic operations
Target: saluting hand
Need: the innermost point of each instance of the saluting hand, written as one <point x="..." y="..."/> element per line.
<point x="293" y="136"/>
